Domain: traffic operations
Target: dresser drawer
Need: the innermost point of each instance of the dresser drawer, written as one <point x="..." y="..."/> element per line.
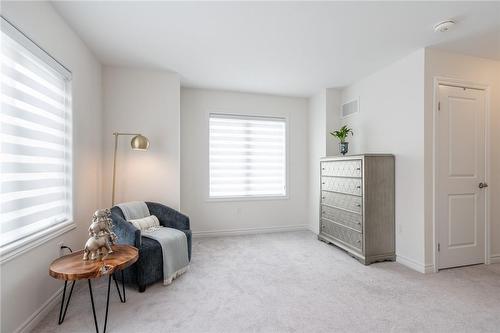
<point x="345" y="235"/>
<point x="349" y="202"/>
<point x="342" y="185"/>
<point x="350" y="168"/>
<point x="351" y="220"/>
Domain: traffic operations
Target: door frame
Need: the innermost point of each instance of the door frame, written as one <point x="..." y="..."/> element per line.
<point x="440" y="80"/>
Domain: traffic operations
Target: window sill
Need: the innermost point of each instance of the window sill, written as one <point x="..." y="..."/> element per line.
<point x="26" y="244"/>
<point x="249" y="198"/>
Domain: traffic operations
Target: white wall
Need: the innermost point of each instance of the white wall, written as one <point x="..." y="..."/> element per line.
<point x="396" y="116"/>
<point x="323" y="118"/>
<point x="317" y="149"/>
<point x="25" y="284"/>
<point x="147" y="102"/>
<point x="233" y="217"/>
<point x="332" y="104"/>
<point x="391" y="120"/>
<point x="474" y="70"/>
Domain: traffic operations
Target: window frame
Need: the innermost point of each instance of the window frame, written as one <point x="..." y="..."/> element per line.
<point x="285" y="118"/>
<point x="26" y="243"/>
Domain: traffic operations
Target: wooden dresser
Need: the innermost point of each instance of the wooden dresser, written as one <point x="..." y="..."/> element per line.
<point x="357" y="205"/>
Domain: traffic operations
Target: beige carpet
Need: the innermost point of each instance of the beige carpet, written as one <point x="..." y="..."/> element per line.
<point x="291" y="282"/>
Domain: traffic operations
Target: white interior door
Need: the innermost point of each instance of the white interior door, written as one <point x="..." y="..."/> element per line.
<point x="460" y="171"/>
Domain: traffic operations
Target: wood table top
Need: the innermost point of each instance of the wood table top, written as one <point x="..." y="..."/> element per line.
<point x="73" y="267"/>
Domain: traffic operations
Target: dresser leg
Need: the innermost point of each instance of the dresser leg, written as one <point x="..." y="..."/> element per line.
<point x="62" y="314"/>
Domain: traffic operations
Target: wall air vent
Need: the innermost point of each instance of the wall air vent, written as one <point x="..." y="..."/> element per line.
<point x="350" y="108"/>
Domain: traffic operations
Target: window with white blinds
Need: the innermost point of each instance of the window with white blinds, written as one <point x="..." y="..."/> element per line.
<point x="247" y="156"/>
<point x="35" y="141"/>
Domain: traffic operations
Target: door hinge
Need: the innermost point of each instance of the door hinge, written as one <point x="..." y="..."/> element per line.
<point x="439" y="106"/>
<point x="439" y="247"/>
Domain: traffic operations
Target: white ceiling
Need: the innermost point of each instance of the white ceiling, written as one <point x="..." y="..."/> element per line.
<point x="289" y="48"/>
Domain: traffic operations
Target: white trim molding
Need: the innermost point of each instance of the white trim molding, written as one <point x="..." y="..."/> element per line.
<point x="487" y="222"/>
<point x="253" y="114"/>
<point x="35" y="240"/>
<point x="495" y="258"/>
<point x="415" y="265"/>
<point x="40" y="313"/>
<point x="249" y="231"/>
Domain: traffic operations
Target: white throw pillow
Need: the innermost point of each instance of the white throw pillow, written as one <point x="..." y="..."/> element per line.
<point x="146" y="222"/>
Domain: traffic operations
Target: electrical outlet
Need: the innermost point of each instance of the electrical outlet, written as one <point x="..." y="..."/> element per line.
<point x="59" y="249"/>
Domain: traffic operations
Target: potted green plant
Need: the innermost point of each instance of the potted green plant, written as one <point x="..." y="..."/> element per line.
<point x="342" y="134"/>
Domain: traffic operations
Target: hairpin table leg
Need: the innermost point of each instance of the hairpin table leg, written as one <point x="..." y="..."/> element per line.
<point x="123" y="286"/>
<point x="123" y="300"/>
<point x="107" y="305"/>
<point x="62" y="314"/>
<point x="118" y="289"/>
<point x="93" y="307"/>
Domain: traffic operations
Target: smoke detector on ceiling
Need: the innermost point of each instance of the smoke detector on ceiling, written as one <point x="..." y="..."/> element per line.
<point x="444" y="26"/>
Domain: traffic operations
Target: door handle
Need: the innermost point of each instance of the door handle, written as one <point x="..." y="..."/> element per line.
<point x="482" y="185"/>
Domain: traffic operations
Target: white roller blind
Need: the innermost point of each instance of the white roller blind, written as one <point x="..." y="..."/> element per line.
<point x="247" y="156"/>
<point x="35" y="140"/>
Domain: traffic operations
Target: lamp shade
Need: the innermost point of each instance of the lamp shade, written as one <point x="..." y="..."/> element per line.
<point x="139" y="142"/>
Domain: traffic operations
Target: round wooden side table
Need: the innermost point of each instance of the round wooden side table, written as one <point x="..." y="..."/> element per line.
<point x="72" y="267"/>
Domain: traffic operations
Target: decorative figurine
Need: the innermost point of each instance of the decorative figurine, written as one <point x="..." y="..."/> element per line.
<point x="94" y="247"/>
<point x="102" y="236"/>
<point x="101" y="222"/>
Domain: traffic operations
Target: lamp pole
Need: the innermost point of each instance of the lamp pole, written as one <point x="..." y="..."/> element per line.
<point x="142" y="144"/>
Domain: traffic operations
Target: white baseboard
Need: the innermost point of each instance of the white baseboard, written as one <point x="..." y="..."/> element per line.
<point x="41" y="312"/>
<point x="313" y="227"/>
<point x="410" y="263"/>
<point x="248" y="231"/>
<point x="494" y="258"/>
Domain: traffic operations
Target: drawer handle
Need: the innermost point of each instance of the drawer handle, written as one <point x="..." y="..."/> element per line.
<point x="323" y="183"/>
<point x="358" y="205"/>
<point x="358" y="186"/>
<point x="359" y="223"/>
<point x="358" y="168"/>
<point x="358" y="241"/>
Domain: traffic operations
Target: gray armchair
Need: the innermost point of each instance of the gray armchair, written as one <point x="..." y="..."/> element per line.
<point x="149" y="267"/>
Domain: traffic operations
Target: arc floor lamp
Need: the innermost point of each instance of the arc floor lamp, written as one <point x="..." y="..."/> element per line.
<point x="138" y="142"/>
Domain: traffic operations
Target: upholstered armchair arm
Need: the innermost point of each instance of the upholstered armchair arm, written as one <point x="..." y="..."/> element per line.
<point x="168" y="217"/>
<point x="125" y="231"/>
